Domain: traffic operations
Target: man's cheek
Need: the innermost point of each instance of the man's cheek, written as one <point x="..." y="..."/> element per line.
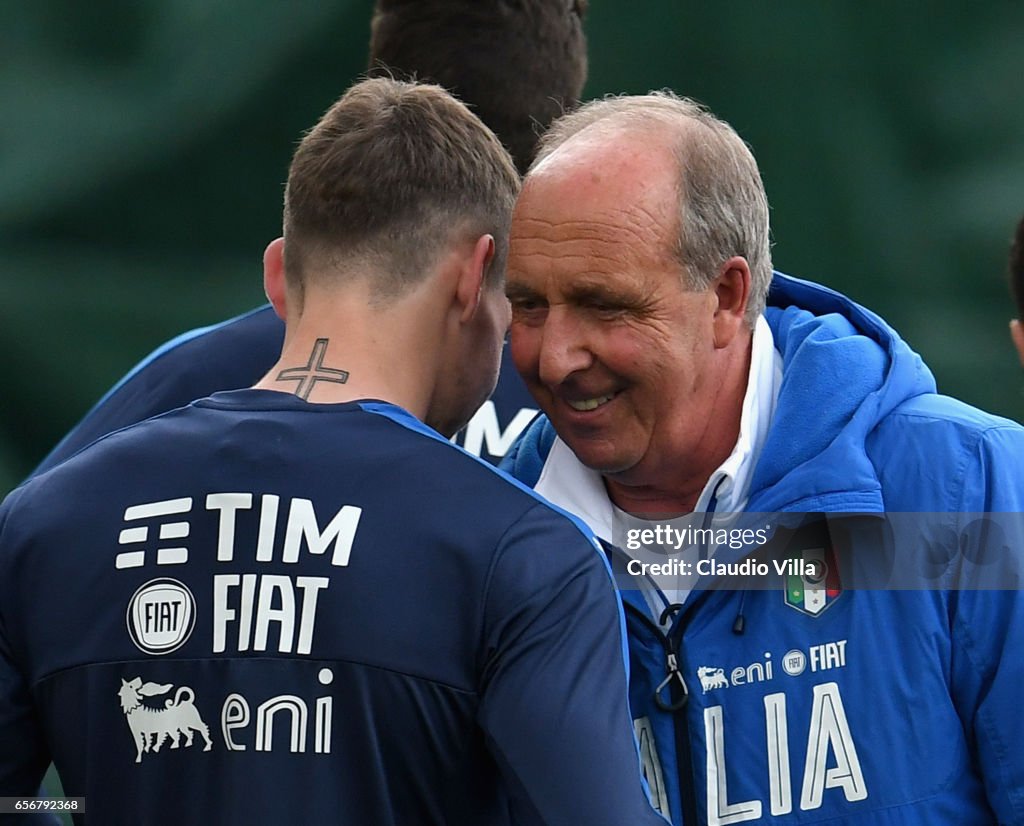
<point x="524" y="347"/>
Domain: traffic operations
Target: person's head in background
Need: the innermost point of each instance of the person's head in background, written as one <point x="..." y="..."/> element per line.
<point x="1017" y="288"/>
<point x="518" y="64"/>
<point x="396" y="222"/>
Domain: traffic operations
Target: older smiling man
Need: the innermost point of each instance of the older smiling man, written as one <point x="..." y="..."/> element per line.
<point x="684" y="384"/>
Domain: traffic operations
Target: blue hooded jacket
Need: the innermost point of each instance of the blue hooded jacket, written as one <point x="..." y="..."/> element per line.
<point x="800" y="703"/>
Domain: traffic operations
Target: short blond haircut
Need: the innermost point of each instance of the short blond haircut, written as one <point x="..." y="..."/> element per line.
<point x="389" y="173"/>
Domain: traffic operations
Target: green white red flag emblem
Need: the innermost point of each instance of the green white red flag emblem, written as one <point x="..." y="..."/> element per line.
<point x="818" y="586"/>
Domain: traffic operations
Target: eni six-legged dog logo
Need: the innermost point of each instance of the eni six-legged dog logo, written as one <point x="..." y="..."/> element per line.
<point x="152" y="726"/>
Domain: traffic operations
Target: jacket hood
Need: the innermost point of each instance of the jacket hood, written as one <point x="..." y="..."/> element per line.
<point x="844" y="369"/>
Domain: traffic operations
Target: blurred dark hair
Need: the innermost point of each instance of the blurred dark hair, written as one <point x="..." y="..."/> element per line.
<point x="518" y="64"/>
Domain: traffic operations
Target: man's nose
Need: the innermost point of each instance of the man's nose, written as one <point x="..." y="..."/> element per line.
<point x="564" y="347"/>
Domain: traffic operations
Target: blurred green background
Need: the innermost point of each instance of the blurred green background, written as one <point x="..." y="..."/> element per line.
<point x="144" y="146"/>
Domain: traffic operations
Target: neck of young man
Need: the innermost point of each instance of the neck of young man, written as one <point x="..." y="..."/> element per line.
<point x="354" y="353"/>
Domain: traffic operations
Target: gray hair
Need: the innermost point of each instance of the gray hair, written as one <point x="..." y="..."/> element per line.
<point x="722" y="202"/>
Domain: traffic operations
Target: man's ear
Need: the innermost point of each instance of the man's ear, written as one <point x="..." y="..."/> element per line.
<point x="273" y="277"/>
<point x="473" y="275"/>
<point x="732" y="291"/>
<point x="1017" y="334"/>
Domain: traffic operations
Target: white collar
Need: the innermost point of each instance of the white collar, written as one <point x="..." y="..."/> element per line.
<point x="568" y="483"/>
<point x="727" y="488"/>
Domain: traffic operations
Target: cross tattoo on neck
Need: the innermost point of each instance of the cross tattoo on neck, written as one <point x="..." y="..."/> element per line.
<point x="313" y="371"/>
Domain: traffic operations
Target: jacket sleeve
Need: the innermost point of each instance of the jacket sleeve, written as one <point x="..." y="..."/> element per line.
<point x="987" y="618"/>
<point x="554" y="693"/>
<point x="23" y="756"/>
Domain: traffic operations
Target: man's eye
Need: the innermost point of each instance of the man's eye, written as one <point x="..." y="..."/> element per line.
<point x="529" y="311"/>
<point x="525" y="305"/>
<point x="605" y="308"/>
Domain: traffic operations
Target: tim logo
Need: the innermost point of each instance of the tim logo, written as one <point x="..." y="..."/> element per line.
<point x="161" y="616"/>
<point x="151" y="727"/>
<point x="137" y="536"/>
<point x="711" y="678"/>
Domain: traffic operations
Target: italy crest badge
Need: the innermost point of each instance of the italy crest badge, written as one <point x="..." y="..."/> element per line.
<point x="812" y="582"/>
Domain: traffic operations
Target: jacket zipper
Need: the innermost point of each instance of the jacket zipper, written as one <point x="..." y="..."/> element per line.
<point x="679" y="694"/>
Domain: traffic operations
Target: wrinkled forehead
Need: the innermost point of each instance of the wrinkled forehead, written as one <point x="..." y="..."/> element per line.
<point x="617" y="200"/>
<point x="608" y="167"/>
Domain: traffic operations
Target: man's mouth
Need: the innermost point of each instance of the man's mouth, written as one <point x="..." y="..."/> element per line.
<point x="583" y="405"/>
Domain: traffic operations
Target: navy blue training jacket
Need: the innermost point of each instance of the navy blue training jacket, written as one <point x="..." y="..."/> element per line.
<point x="260" y="610"/>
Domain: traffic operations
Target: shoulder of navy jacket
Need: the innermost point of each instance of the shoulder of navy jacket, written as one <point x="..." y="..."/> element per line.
<point x="613" y="552"/>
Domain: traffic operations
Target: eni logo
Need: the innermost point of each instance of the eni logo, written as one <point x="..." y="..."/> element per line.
<point x="161" y="616"/>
